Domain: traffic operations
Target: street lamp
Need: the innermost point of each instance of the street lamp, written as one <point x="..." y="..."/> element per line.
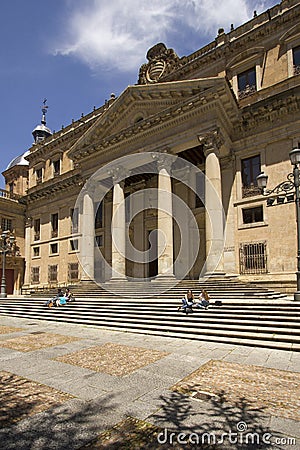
<point x="287" y="189"/>
<point x="6" y="246"/>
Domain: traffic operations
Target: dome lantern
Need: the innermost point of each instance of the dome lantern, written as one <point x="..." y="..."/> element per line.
<point x="41" y="131"/>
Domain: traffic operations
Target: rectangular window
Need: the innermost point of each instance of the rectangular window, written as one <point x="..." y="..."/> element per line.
<point x="296" y="60"/>
<point x="36" y="251"/>
<point x="56" y="167"/>
<point x="54" y="225"/>
<point x="253" y="258"/>
<point x="250" y="169"/>
<point x="252" y="215"/>
<point x="74" y="220"/>
<point x="53" y="248"/>
<point x="99" y="240"/>
<point x="35" y="275"/>
<point x="37" y="229"/>
<point x="73" y="245"/>
<point x="73" y="273"/>
<point x="52" y="273"/>
<point x="39" y="175"/>
<point x="200" y="190"/>
<point x="247" y="83"/>
<point x="6" y="224"/>
<point x="99" y="215"/>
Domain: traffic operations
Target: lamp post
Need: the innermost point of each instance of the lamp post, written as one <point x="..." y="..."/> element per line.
<point x="6" y="245"/>
<point x="287" y="189"/>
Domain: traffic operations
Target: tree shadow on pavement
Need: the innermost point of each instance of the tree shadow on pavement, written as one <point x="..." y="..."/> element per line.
<point x="213" y="422"/>
<point x="65" y="427"/>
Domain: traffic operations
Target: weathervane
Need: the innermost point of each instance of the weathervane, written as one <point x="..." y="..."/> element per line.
<point x="44" y="111"/>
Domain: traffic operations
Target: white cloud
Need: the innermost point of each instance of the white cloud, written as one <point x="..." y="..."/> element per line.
<point x="116" y="34"/>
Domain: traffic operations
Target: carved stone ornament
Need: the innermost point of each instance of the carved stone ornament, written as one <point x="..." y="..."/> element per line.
<point x="162" y="60"/>
<point x="211" y="141"/>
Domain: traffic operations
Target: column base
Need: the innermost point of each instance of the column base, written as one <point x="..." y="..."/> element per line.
<point x="214" y="274"/>
<point x="167" y="277"/>
<point x="117" y="279"/>
<point x="297" y="296"/>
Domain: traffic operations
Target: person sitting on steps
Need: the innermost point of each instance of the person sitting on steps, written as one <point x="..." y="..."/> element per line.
<point x="203" y="300"/>
<point x="69" y="296"/>
<point x="187" y="302"/>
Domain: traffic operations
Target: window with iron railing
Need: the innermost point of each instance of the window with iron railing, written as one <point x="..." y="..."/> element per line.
<point x="247" y="83"/>
<point x="56" y="167"/>
<point x="54" y="225"/>
<point x="37" y="229"/>
<point x="39" y="175"/>
<point x="35" y="275"/>
<point x="251" y="168"/>
<point x="253" y="258"/>
<point x="296" y="60"/>
<point x="73" y="273"/>
<point x="52" y="273"/>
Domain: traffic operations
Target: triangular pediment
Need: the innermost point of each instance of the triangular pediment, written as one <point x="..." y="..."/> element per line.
<point x="139" y="105"/>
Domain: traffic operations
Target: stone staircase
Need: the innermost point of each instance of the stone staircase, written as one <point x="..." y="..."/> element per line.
<point x="225" y="288"/>
<point x="245" y="319"/>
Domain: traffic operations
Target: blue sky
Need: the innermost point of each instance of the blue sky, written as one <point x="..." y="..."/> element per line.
<point x="76" y="54"/>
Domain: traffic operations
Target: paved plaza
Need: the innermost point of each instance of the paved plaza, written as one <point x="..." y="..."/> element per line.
<point x="66" y="386"/>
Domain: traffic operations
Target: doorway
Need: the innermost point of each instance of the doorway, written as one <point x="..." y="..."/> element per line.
<point x="9" y="275"/>
<point x="153" y="260"/>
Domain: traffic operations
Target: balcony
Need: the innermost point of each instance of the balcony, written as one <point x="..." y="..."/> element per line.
<point x="249" y="90"/>
<point x="9" y="195"/>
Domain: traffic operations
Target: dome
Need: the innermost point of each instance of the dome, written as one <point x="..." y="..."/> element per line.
<point x="42" y="128"/>
<point x="19" y="161"/>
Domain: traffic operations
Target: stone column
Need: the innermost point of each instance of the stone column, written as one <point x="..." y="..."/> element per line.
<point x="214" y="213"/>
<point x="164" y="219"/>
<point x="118" y="260"/>
<point x="27" y="277"/>
<point x="87" y="226"/>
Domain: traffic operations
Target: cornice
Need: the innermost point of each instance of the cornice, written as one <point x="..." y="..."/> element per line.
<point x="54" y="186"/>
<point x="269" y="111"/>
<point x="235" y="43"/>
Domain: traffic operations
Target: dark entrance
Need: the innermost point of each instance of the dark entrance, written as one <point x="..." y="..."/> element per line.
<point x="9" y="274"/>
<point x="153" y="261"/>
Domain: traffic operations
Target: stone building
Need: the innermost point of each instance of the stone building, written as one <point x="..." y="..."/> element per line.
<point x="12" y="219"/>
<point x="131" y="173"/>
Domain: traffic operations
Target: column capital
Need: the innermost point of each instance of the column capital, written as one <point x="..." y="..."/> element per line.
<point x="118" y="174"/>
<point x="164" y="160"/>
<point x="211" y="141"/>
<point x="28" y="222"/>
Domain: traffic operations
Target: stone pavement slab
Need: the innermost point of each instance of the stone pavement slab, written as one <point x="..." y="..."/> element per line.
<point x="144" y="389"/>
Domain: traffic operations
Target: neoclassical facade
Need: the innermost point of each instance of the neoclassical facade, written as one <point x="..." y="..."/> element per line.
<point x="159" y="183"/>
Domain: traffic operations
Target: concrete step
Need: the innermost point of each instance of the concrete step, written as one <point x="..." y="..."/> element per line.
<point x="217" y="288"/>
<point x="265" y="325"/>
